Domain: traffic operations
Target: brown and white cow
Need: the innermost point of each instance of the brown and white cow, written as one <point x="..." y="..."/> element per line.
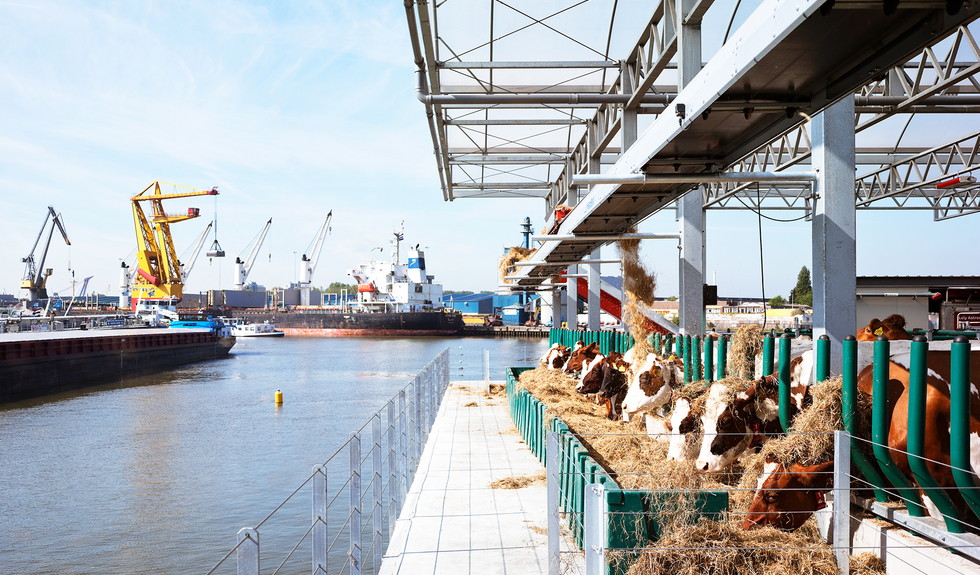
<point x="579" y="356"/>
<point x="892" y="327"/>
<point x="556" y="356"/>
<point x="651" y="385"/>
<point x="732" y="423"/>
<point x="787" y="510"/>
<point x="787" y="496"/>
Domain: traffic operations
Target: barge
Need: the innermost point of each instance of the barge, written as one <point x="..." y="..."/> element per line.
<point x="34" y="364"/>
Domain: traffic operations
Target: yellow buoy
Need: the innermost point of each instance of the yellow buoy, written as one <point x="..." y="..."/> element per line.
<point x="278" y="396"/>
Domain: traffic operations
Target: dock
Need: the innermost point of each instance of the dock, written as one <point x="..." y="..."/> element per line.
<point x="506" y="330"/>
<point x="453" y="521"/>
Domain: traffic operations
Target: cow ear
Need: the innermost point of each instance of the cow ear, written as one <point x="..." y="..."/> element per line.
<point x="819" y="476"/>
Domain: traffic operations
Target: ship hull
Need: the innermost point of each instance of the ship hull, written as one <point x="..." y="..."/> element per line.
<point x="38" y="366"/>
<point x="322" y="323"/>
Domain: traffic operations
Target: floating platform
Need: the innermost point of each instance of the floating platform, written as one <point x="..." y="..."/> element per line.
<point x="453" y="521"/>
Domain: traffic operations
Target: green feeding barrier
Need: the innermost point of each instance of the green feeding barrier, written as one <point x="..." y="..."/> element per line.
<point x="785" y="342"/>
<point x="722" y="357"/>
<point x="849" y="409"/>
<point x="633" y="517"/>
<point x="767" y="354"/>
<point x="959" y="423"/>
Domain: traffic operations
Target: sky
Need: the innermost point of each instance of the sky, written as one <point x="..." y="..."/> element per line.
<point x="293" y="109"/>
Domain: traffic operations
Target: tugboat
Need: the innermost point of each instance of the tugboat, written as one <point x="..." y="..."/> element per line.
<point x="394" y="299"/>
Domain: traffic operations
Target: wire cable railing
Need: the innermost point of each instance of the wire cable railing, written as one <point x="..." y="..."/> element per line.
<point x="356" y="545"/>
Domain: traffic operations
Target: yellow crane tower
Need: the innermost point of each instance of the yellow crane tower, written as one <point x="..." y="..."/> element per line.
<point x="158" y="277"/>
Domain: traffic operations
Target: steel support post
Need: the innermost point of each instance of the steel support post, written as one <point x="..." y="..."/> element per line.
<point x="394" y="506"/>
<point x="355" y="504"/>
<point x="320" y="533"/>
<point x="571" y="298"/>
<point x="403" y="452"/>
<point x="595" y="529"/>
<point x="557" y="316"/>
<point x="690" y="206"/>
<point x="594" y="303"/>
<point x="842" y="502"/>
<point x="553" y="468"/>
<point x="247" y="554"/>
<point x="833" y="228"/>
<point x="377" y="514"/>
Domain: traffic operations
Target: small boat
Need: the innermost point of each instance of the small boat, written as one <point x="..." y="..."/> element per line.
<point x="240" y="328"/>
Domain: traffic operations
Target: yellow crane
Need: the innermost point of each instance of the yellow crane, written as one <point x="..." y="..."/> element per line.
<point x="158" y="275"/>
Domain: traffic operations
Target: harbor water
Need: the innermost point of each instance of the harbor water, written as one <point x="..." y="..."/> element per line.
<point x="158" y="474"/>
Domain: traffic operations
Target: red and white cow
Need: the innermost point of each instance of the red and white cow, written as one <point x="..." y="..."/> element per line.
<point x="788" y="510"/>
<point x="733" y="424"/>
<point x="787" y="496"/>
<point x="892" y="327"/>
<point x="579" y="356"/>
<point x="556" y="356"/>
<point x="651" y="385"/>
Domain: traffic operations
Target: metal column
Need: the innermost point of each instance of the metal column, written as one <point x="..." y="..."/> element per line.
<point x="594" y="303"/>
<point x="690" y="206"/>
<point x="833" y="228"/>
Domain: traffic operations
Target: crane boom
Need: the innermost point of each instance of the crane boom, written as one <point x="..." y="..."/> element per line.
<point x="35" y="277"/>
<point x="185" y="268"/>
<point x="307" y="266"/>
<point x="244" y="267"/>
<point x="158" y="274"/>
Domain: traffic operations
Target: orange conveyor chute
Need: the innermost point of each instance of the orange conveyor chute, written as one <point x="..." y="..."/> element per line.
<point x="611" y="305"/>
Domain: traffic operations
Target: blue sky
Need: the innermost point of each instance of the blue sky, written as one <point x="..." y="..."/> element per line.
<point x="293" y="109"/>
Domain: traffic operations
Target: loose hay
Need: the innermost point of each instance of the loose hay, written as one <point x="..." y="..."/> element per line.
<point x="471" y="404"/>
<point x="722" y="548"/>
<point x="867" y="564"/>
<point x="496" y="390"/>
<point x="638" y="287"/>
<point x="746" y="344"/>
<point x="517" y="482"/>
<point x="513" y="255"/>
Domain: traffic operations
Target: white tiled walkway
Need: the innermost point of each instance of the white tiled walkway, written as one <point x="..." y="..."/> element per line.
<point x="453" y="522"/>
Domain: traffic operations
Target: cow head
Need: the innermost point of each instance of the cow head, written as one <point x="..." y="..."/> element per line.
<point x="786" y="497"/>
<point x="592" y="374"/>
<point x="614" y="384"/>
<point x="647" y="389"/>
<point x="556" y="356"/>
<point x="728" y="424"/>
<point x="579" y="356"/>
<point x="892" y="327"/>
<point x="684" y="422"/>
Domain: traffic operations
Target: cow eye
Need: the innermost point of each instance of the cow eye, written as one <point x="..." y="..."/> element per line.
<point x="725" y="420"/>
<point x="771" y="496"/>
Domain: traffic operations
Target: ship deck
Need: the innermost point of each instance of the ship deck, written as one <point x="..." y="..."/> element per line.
<point x="27" y="336"/>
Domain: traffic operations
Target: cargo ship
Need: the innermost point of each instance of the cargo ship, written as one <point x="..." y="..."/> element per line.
<point x="38" y="363"/>
<point x="394" y="299"/>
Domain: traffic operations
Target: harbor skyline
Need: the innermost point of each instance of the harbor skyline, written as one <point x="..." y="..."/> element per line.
<point x="292" y="111"/>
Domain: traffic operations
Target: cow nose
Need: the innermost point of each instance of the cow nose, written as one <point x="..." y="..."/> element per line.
<point x="701" y="465"/>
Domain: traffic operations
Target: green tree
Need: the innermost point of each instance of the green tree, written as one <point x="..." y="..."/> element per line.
<point x="337" y="287"/>
<point x="777" y="301"/>
<point x="803" y="292"/>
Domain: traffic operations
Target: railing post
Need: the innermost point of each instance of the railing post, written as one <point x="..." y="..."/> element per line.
<point x="595" y="529"/>
<point x="553" y="483"/>
<point x="486" y="365"/>
<point x="722" y="357"/>
<point x="849" y="408"/>
<point x="403" y="440"/>
<point x="417" y="424"/>
<point x="696" y="356"/>
<point x="842" y="502"/>
<point x="709" y="358"/>
<point x="767" y="354"/>
<point x="355" y="504"/>
<point x="377" y="514"/>
<point x="785" y="341"/>
<point x="959" y="422"/>
<point x="394" y="507"/>
<point x="822" y="353"/>
<point x="247" y="554"/>
<point x="320" y="533"/>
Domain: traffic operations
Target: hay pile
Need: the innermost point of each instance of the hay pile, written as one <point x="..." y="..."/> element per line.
<point x="518" y="482"/>
<point x="513" y="255"/>
<point x="746" y="344"/>
<point x="638" y="287"/>
<point x="722" y="548"/>
<point x="633" y="459"/>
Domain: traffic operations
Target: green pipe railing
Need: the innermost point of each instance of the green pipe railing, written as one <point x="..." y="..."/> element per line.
<point x="696" y="356"/>
<point x="722" y="357"/>
<point x="849" y="395"/>
<point x="767" y="354"/>
<point x="785" y="342"/>
<point x="709" y="359"/>
<point x="822" y="358"/>
<point x="959" y="423"/>
<point x="916" y="440"/>
<point x="881" y="423"/>
<point x="687" y="359"/>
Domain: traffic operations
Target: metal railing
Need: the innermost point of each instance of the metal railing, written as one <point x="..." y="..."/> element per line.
<point x="366" y="489"/>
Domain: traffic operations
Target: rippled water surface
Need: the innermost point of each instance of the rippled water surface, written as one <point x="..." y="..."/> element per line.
<point x="158" y="475"/>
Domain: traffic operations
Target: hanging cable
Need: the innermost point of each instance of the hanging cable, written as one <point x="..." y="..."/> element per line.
<point x="761" y="215"/>
<point x="731" y="21"/>
<point x="762" y="267"/>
